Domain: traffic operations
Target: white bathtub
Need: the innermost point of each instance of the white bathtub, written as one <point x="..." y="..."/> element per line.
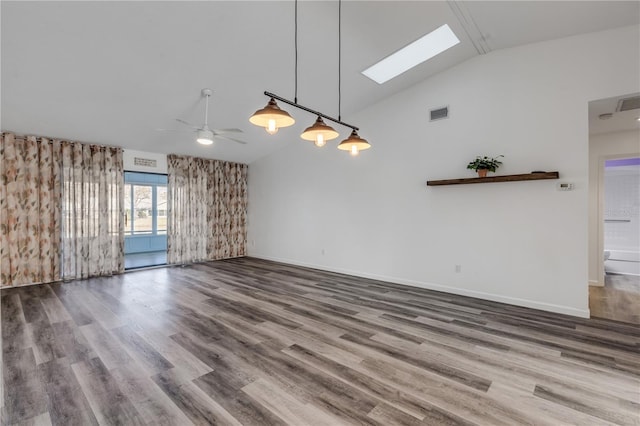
<point x="623" y="262"/>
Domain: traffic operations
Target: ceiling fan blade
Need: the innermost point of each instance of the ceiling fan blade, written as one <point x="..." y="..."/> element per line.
<point x="179" y="120"/>
<point x="230" y="139"/>
<point x="234" y="130"/>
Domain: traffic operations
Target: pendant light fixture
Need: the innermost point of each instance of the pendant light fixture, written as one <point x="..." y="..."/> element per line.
<point x="319" y="133"/>
<point x="272" y="117"/>
<point x="354" y="144"/>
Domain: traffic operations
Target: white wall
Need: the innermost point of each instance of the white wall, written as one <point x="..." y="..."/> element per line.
<point x="520" y="242"/>
<point x="601" y="148"/>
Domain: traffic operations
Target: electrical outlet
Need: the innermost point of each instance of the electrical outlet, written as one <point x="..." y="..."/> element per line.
<point x="458" y="268"/>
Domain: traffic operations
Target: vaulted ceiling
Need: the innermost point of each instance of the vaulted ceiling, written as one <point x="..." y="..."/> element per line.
<point x="114" y="72"/>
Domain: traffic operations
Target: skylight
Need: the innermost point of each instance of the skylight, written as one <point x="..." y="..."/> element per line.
<point x="426" y="47"/>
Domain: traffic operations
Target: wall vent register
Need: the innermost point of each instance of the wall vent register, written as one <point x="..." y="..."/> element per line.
<point x="439" y="113"/>
<point x="628" y="104"/>
<point x="145" y="162"/>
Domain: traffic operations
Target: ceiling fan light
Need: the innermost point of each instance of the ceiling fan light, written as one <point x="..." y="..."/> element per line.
<point x="205" y="137"/>
<point x="354" y="143"/>
<point x="271" y="117"/>
<point x="319" y="133"/>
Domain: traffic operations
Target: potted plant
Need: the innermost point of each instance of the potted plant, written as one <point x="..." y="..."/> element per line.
<point x="485" y="164"/>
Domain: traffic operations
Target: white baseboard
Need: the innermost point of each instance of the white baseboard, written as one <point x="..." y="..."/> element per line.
<point x="560" y="309"/>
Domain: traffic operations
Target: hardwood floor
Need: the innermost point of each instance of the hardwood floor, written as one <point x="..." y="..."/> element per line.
<point x="252" y="342"/>
<point x="618" y="300"/>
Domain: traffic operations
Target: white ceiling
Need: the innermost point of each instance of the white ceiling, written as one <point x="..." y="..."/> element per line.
<point x="113" y="72"/>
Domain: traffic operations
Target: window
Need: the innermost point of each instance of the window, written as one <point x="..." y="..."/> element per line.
<point x="145" y="204"/>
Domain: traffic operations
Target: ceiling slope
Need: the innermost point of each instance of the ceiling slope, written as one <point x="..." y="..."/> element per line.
<point x="113" y="72"/>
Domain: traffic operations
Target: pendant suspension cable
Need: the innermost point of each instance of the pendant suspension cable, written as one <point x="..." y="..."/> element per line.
<point x="339" y="59"/>
<point x="295" y="26"/>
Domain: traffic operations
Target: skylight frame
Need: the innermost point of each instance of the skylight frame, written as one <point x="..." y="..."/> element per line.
<point x="413" y="54"/>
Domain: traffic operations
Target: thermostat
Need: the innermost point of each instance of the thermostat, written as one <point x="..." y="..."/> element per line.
<point x="564" y="186"/>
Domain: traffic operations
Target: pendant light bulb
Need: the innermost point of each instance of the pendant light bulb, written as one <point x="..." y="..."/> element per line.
<point x="271" y="117"/>
<point x="354" y="144"/>
<point x="271" y="128"/>
<point x="320" y="142"/>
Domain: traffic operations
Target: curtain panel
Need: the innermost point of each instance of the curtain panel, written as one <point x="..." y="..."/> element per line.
<point x="61" y="210"/>
<point x="187" y="227"/>
<point x="93" y="210"/>
<point x="30" y="210"/>
<point x="227" y="209"/>
<point x="207" y="209"/>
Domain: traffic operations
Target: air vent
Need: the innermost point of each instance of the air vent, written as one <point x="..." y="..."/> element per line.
<point x="439" y="114"/>
<point x="628" y="104"/>
<point x="145" y="162"/>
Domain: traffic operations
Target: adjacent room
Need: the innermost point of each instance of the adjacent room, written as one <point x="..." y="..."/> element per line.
<point x="614" y="208"/>
<point x="329" y="212"/>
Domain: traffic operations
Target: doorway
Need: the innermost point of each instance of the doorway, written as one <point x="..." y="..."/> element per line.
<point x="145" y="236"/>
<point x="614" y="212"/>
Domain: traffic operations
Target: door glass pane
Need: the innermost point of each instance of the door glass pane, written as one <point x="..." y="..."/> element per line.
<point x="142" y="209"/>
<point x="162" y="209"/>
<point x="128" y="224"/>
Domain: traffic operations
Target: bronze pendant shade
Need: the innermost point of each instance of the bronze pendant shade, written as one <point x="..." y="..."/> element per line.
<point x="319" y="133"/>
<point x="354" y="143"/>
<point x="271" y="117"/>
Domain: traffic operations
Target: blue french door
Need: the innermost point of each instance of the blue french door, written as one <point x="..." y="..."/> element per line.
<point x="145" y="239"/>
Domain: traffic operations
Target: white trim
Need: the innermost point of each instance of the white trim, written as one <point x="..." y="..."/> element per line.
<point x="560" y="309"/>
<point x="595" y="283"/>
<point x="600" y="224"/>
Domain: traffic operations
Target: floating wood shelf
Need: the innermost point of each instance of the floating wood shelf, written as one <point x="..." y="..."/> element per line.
<point x="490" y="179"/>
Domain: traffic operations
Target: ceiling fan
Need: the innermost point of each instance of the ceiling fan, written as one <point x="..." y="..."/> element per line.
<point x="205" y="135"/>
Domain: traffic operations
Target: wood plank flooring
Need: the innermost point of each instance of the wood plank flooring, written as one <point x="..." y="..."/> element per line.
<point x="251" y="342"/>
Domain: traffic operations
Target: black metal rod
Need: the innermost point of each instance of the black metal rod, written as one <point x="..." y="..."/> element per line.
<point x="312" y="111"/>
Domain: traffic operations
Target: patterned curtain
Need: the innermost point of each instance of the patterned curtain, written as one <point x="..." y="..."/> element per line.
<point x="187" y="227"/>
<point x="30" y="199"/>
<point x="227" y="210"/>
<point x="61" y="210"/>
<point x="93" y="210"/>
<point x="207" y="209"/>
